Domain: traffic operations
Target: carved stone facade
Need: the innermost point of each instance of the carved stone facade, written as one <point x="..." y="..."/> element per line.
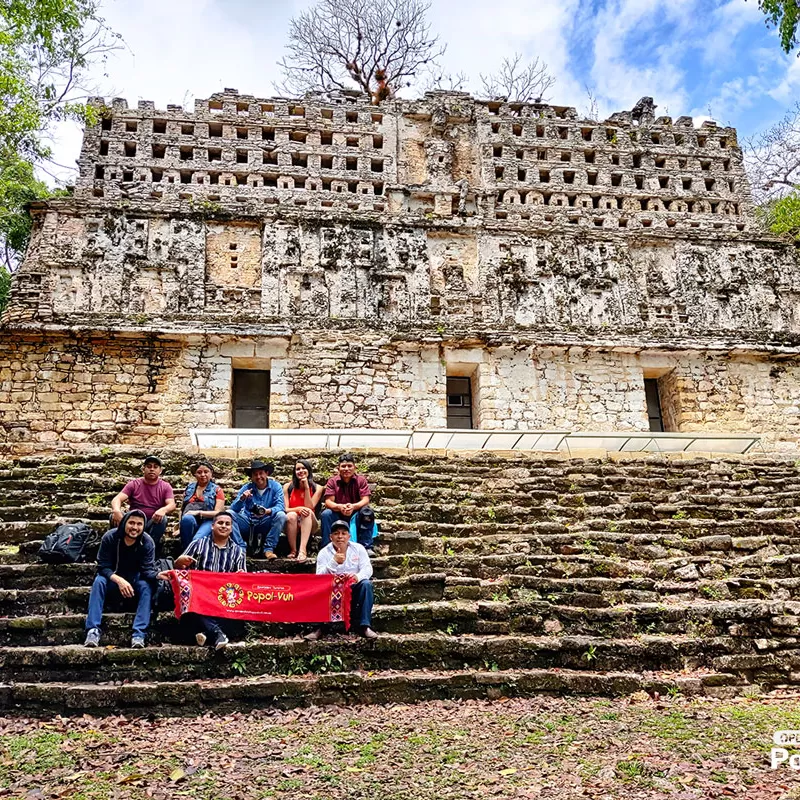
<point x="363" y="254"/>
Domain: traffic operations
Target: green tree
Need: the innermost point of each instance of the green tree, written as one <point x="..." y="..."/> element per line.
<point x="772" y="158"/>
<point x="782" y="216"/>
<point x="785" y="16"/>
<point x="45" y="49"/>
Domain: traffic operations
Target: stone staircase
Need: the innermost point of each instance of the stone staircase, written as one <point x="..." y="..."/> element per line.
<point x="496" y="574"/>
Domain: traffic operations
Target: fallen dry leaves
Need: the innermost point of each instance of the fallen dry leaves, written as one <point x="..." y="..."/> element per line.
<point x="528" y="749"/>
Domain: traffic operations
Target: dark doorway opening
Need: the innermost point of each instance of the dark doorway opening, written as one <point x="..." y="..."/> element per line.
<point x="654" y="416"/>
<point x="459" y="403"/>
<point x="250" y="398"/>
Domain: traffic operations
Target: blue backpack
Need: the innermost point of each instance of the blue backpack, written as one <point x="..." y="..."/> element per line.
<point x="366" y="522"/>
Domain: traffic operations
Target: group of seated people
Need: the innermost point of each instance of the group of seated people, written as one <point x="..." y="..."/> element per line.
<point x="218" y="539"/>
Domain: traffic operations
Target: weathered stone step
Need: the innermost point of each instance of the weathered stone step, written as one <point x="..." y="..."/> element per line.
<point x="97" y="493"/>
<point x="390" y="651"/>
<point x="48" y="601"/>
<point x="483" y="565"/>
<point x="609" y="592"/>
<point x="349" y="688"/>
<point x="748" y="618"/>
<point x="27" y="523"/>
<point x="643" y="540"/>
<point x="478" y="578"/>
<point x="48" y="587"/>
<point x="517" y="515"/>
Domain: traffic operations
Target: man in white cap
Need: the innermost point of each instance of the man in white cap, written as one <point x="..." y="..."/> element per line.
<point x="343" y="557"/>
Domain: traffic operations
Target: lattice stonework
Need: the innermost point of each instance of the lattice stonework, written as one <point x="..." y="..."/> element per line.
<point x="361" y="258"/>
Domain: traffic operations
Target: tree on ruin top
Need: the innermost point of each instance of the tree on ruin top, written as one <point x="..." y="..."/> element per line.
<point x="376" y="45"/>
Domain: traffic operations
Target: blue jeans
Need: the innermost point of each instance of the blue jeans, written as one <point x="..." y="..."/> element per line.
<point x="97" y="599"/>
<point x="191" y="528"/>
<point x="261" y="533"/>
<point x="329" y="517"/>
<point x="156" y="530"/>
<point x="361" y="603"/>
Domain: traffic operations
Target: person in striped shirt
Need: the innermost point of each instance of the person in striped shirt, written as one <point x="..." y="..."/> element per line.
<point x="215" y="553"/>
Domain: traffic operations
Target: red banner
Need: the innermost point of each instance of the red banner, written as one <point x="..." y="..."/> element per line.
<point x="263" y="596"/>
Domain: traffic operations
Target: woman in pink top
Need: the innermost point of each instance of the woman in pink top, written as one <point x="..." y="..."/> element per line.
<point x="301" y="498"/>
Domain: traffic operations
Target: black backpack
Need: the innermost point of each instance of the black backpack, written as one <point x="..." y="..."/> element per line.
<point x="164" y="599"/>
<point x="365" y="527"/>
<point x="68" y="544"/>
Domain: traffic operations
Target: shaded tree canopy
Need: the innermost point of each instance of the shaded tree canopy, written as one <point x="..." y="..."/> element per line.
<point x="45" y="48"/>
<point x="377" y="46"/>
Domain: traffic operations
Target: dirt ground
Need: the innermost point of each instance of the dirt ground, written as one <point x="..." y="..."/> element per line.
<point x="564" y="748"/>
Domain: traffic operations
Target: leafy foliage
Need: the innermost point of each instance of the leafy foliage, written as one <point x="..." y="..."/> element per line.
<point x="45" y="47"/>
<point x="782" y="216"/>
<point x="376" y="45"/>
<point x="785" y="16"/>
<point x="18" y="186"/>
<point x="5" y="284"/>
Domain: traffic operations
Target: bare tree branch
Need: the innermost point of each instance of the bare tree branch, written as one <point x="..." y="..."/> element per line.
<point x="375" y="45"/>
<point x="772" y="158"/>
<point x="517" y="82"/>
<point x="445" y="81"/>
<point x="592" y="110"/>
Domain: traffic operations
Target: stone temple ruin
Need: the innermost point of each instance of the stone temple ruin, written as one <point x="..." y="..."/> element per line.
<point x="444" y="262"/>
<point x="439" y="262"/>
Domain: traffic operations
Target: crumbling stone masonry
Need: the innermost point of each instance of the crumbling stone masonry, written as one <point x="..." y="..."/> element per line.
<point x="364" y="254"/>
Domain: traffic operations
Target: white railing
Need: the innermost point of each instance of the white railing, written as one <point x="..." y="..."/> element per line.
<point x="457" y="439"/>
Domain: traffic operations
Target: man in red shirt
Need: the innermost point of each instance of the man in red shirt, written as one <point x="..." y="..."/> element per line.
<point x="345" y="495"/>
<point x="151" y="494"/>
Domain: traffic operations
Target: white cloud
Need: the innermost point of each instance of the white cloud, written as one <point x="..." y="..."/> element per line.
<point x="185" y="49"/>
<point x="725" y="23"/>
<point x="177" y="50"/>
<point x="481" y="35"/>
<point x="732" y="98"/>
<point x="788" y="89"/>
<point x="619" y="81"/>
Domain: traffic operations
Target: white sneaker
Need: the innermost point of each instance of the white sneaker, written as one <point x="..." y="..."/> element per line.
<point x="92" y="638"/>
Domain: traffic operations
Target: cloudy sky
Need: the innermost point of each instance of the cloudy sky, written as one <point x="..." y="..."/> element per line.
<point x="701" y="57"/>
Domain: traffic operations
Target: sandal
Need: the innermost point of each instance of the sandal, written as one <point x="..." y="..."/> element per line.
<point x="292" y="555"/>
<point x="301" y="557"/>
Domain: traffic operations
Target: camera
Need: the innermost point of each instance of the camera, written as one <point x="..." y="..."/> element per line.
<point x="258" y="511"/>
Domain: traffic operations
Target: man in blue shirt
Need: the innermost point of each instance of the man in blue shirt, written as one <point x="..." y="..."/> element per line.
<point x="260" y="510"/>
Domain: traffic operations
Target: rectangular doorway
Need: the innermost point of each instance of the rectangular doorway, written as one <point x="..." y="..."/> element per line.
<point x="654" y="415"/>
<point x="459" y="403"/>
<point x="251" y="398"/>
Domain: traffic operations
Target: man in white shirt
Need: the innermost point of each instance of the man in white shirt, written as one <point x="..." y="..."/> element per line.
<point x="343" y="557"/>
